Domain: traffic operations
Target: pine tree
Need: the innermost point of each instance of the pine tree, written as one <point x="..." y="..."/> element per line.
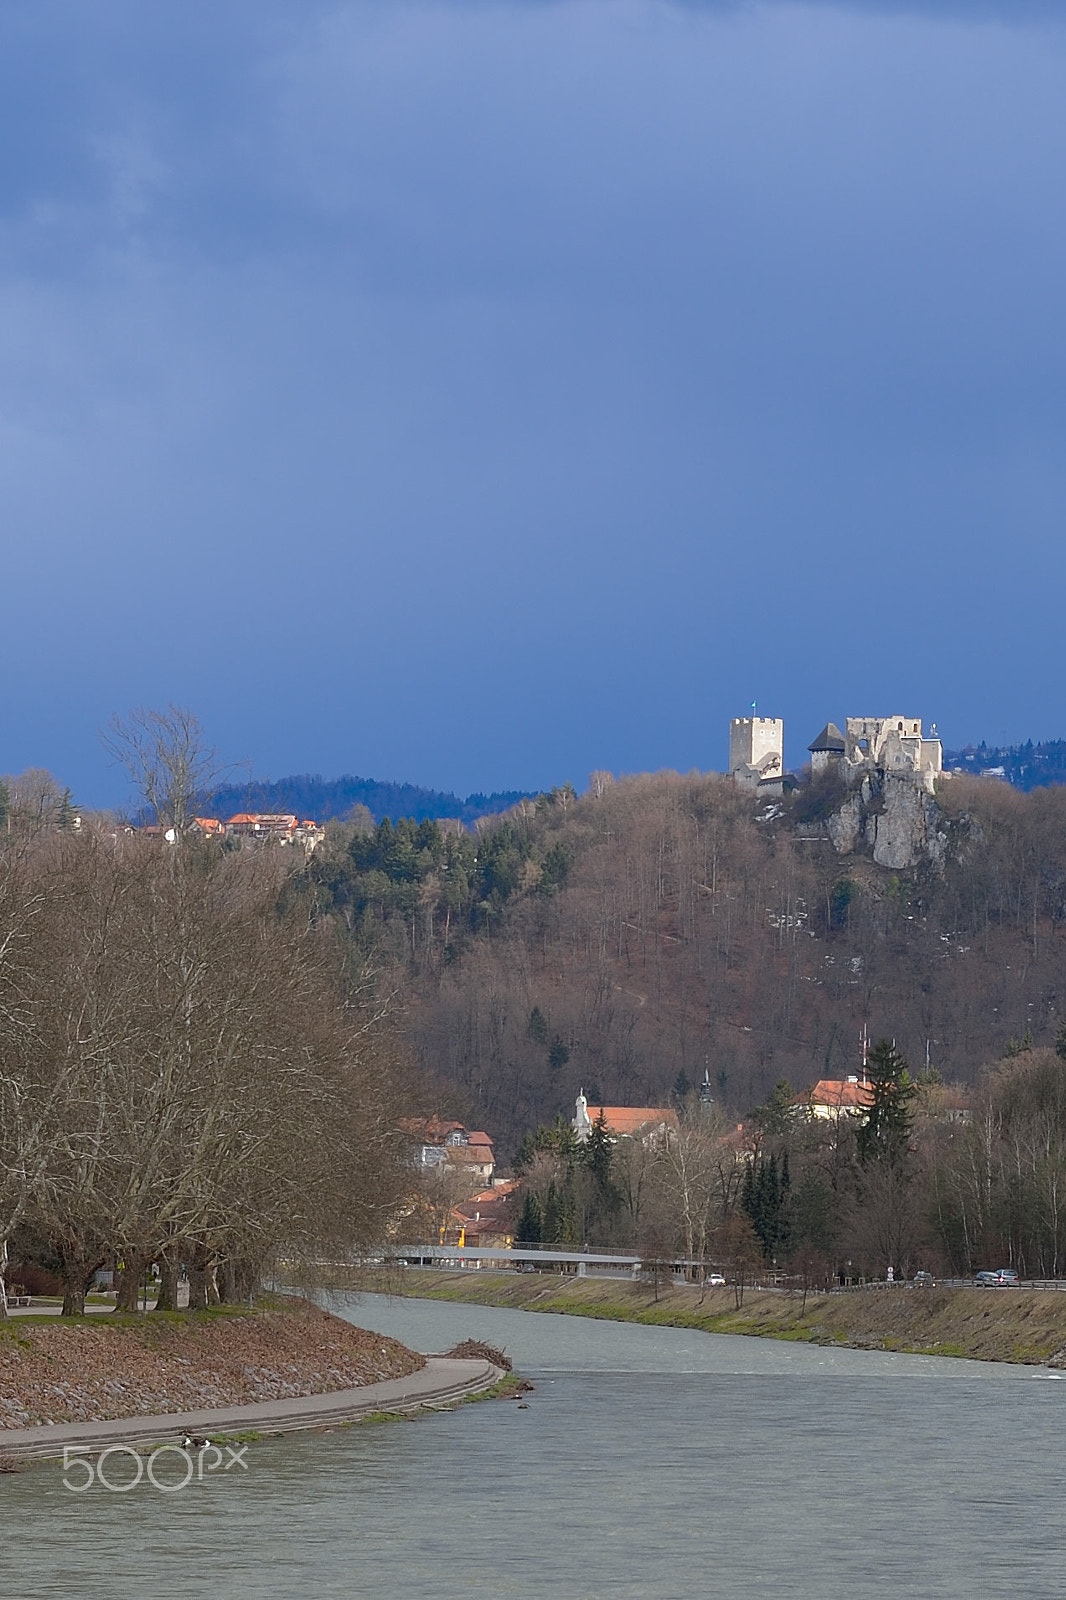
<point x="530" y="1223"/>
<point x="551" y="1228"/>
<point x="764" y="1198"/>
<point x="603" y="1198"/>
<point x="885" y="1131"/>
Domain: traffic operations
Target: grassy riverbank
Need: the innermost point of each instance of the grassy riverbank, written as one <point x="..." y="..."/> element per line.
<point x="107" y="1366"/>
<point x="984" y="1324"/>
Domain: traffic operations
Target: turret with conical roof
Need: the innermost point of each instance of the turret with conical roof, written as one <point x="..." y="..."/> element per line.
<point x="827" y="749"/>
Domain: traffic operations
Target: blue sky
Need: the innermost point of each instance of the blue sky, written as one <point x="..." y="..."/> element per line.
<point x="483" y="393"/>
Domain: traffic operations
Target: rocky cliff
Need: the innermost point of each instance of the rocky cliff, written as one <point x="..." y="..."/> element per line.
<point x="893" y="819"/>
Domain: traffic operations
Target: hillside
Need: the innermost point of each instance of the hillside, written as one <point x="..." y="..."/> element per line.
<point x="1026" y="766"/>
<point x="661" y="925"/>
<point x="327" y="798"/>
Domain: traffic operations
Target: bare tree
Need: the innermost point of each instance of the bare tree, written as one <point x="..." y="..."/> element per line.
<point x="166" y="759"/>
<point x="183" y="1078"/>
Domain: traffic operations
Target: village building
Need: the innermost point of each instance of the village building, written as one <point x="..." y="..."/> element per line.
<point x="649" y="1124"/>
<point x="833" y="1098"/>
<point x="451" y="1147"/>
<point x="484" y="1221"/>
<point x="278" y="827"/>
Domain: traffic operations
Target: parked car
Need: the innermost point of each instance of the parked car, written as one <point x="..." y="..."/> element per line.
<point x="924" y="1280"/>
<point x="714" y="1280"/>
<point x="1000" y="1278"/>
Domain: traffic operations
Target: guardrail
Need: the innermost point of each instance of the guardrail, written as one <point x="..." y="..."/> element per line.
<point x="687" y="1268"/>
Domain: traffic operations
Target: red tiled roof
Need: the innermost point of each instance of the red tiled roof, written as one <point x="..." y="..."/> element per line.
<point x="499" y="1191"/>
<point x="469" y="1156"/>
<point x="839" y="1094"/>
<point x="630" y="1119"/>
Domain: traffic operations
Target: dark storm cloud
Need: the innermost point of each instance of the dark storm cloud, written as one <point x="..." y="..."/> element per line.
<point x="479" y="393"/>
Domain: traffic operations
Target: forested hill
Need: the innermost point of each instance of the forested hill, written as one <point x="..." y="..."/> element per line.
<point x="1025" y="766"/>
<point x="627" y="940"/>
<point x="325" y="798"/>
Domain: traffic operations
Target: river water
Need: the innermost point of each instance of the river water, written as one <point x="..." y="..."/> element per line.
<point x="649" y="1462"/>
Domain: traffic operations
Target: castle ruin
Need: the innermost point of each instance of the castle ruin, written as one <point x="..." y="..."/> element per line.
<point x="887" y="769"/>
<point x="892" y="745"/>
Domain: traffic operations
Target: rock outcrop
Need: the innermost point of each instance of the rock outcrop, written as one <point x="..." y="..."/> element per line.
<point x="894" y="819"/>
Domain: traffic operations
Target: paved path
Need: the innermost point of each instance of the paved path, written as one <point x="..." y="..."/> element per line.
<point x="442" y="1380"/>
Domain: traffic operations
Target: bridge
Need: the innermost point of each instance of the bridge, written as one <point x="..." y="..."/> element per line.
<point x="583" y="1263"/>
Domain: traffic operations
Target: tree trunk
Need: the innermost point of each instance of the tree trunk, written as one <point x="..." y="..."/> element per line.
<point x="201" y="1280"/>
<point x="168" y="1281"/>
<point x="77" y="1271"/>
<point x="3" y="1280"/>
<point x="130" y="1280"/>
<point x="75" y="1282"/>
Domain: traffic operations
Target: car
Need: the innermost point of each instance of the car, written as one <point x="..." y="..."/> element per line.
<point x="1000" y="1278"/>
<point x="924" y="1280"/>
<point x="714" y="1280"/>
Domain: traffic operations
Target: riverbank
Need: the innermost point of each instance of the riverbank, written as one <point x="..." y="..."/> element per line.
<point x="57" y="1372"/>
<point x="441" y="1383"/>
<point x="1024" y="1326"/>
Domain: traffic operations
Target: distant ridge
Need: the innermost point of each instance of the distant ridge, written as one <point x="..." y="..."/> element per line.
<point x="1025" y="766"/>
<point x="326" y="798"/>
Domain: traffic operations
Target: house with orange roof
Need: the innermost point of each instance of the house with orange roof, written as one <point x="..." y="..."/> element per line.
<point x="485" y="1219"/>
<point x="649" y="1124"/>
<point x="451" y="1145"/>
<point x="833" y="1098"/>
<point x="281" y="827"/>
<point x="210" y="827"/>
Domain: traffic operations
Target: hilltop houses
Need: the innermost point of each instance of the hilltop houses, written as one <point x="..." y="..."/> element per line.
<point x="259" y="827"/>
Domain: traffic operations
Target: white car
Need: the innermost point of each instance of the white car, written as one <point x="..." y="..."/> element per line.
<point x="714" y="1280"/>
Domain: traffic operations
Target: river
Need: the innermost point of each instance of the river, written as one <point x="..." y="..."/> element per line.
<point x="649" y="1462"/>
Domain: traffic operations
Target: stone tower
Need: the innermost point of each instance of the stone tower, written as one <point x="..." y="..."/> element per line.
<point x="757" y="749"/>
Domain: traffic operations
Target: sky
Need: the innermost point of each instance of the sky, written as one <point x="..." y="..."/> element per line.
<point x="483" y="392"/>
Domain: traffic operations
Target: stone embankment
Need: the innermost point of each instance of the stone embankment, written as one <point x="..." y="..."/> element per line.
<point x="440" y="1383"/>
<point x="1017" y="1325"/>
<point x="60" y="1372"/>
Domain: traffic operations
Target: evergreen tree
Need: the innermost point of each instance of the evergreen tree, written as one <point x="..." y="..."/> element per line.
<point x="558" y="1054"/>
<point x="764" y="1198"/>
<point x="776" y="1116"/>
<point x="554" y="1138"/>
<point x="568" y="1232"/>
<point x="531" y="1221"/>
<point x="811" y="1215"/>
<point x="885" y="1130"/>
<point x="537" y="1027"/>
